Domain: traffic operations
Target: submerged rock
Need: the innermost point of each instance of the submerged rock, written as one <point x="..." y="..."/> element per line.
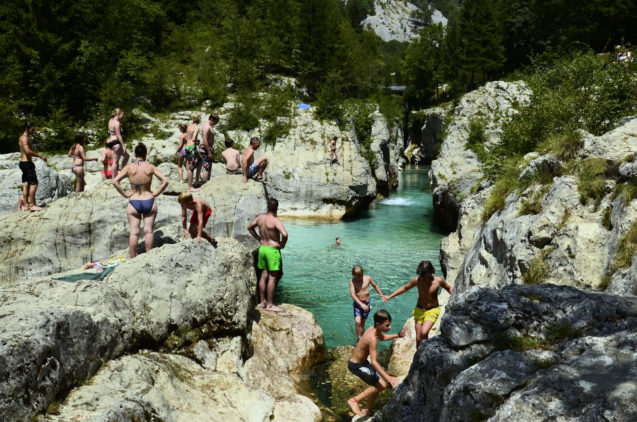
<point x="525" y="353"/>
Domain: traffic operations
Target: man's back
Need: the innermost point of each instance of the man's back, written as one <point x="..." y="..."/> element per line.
<point x="269" y="230"/>
<point x="231" y="157"/>
<point x="192" y="133"/>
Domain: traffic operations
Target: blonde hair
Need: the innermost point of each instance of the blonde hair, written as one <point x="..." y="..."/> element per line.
<point x="184" y="197"/>
<point x="196" y="117"/>
<point x="116" y="112"/>
<point x="357" y="270"/>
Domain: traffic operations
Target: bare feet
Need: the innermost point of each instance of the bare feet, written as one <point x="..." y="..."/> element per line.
<point x="274" y="308"/>
<point x="353" y="404"/>
<point x="262" y="305"/>
<point x="35" y="208"/>
<point x="193" y="190"/>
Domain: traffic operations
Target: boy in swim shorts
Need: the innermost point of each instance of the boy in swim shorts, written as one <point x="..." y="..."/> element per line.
<point x="201" y="214"/>
<point x="370" y="371"/>
<point x="427" y="308"/>
<point x="359" y="290"/>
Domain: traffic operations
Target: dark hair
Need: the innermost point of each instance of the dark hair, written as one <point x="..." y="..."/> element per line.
<point x="214" y="118"/>
<point x="229" y="142"/>
<point x="183" y="128"/>
<point x="254" y="140"/>
<point x="140" y="150"/>
<point x="27" y="126"/>
<point x="273" y="205"/>
<point x="79" y="138"/>
<point x="425" y="267"/>
<point x="357" y="270"/>
<point x="381" y="316"/>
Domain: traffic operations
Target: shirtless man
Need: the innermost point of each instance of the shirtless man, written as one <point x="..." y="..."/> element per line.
<point x="192" y="156"/>
<point x="29" y="177"/>
<point x="208" y="139"/>
<point x="201" y="212"/>
<point x="371" y="372"/>
<point x="231" y="157"/>
<point x="272" y="237"/>
<point x="427" y="309"/>
<point x="251" y="167"/>
<point x="359" y="289"/>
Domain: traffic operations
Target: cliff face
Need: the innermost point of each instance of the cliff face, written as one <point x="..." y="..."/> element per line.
<point x="525" y="353"/>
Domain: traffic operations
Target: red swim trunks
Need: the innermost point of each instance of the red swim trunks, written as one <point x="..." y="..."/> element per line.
<point x="195" y="220"/>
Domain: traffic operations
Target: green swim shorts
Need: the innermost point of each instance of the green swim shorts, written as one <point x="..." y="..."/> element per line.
<point x="269" y="258"/>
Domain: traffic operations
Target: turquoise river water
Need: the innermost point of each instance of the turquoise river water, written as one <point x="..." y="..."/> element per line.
<point x="388" y="241"/>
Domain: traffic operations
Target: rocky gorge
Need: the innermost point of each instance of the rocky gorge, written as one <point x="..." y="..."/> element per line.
<point x="173" y="334"/>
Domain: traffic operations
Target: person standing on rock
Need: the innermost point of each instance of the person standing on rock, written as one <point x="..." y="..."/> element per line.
<point x="333" y="154"/>
<point x="192" y="155"/>
<point x="79" y="157"/>
<point x="29" y="177"/>
<point x="232" y="158"/>
<point x="359" y="290"/>
<point x="427" y="309"/>
<point x="208" y="139"/>
<point x="272" y="237"/>
<point x="107" y="161"/>
<point x="181" y="151"/>
<point x="116" y="142"/>
<point x="249" y="166"/>
<point x="370" y="371"/>
<point x="142" y="200"/>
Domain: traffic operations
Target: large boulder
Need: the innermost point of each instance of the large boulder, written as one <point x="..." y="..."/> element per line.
<point x="425" y="134"/>
<point x="92" y="225"/>
<point x="51" y="185"/>
<point x="285" y="347"/>
<point x="57" y="333"/>
<point x="525" y="353"/>
<point x="564" y="239"/>
<point x="156" y="386"/>
<point x="301" y="178"/>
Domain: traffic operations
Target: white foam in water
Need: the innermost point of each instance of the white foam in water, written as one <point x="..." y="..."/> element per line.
<point x="397" y="201"/>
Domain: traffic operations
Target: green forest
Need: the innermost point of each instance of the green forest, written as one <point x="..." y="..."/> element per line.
<point x="67" y="64"/>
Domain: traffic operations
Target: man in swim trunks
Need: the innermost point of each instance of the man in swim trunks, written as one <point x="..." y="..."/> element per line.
<point x="192" y="155"/>
<point x="427" y="309"/>
<point x="359" y="289"/>
<point x="272" y="237"/>
<point x="208" y="139"/>
<point x="371" y="371"/>
<point x="201" y="212"/>
<point x="231" y="157"/>
<point x="251" y="167"/>
<point x="29" y="177"/>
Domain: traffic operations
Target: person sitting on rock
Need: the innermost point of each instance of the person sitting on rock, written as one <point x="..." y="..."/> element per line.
<point x="272" y="238"/>
<point x="359" y="290"/>
<point x="231" y="158"/>
<point x="250" y="167"/>
<point x="107" y="161"/>
<point x="201" y="212"/>
<point x="142" y="200"/>
<point x="427" y="308"/>
<point x="370" y="371"/>
<point x="181" y="151"/>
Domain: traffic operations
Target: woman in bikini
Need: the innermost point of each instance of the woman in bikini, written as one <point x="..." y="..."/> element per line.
<point x="115" y="141"/>
<point x="107" y="161"/>
<point x="142" y="200"/>
<point x="77" y="152"/>
<point x="181" y="150"/>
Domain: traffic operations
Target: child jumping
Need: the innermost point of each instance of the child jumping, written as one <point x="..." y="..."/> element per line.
<point x="359" y="289"/>
<point x="372" y="372"/>
<point x="199" y="218"/>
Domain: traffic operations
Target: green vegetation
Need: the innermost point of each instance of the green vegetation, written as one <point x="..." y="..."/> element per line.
<point x="555" y="334"/>
<point x="533" y="205"/>
<point x="538" y="270"/>
<point x="627" y="249"/>
<point x="606" y="218"/>
<point x="591" y="180"/>
<point x="627" y="191"/>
